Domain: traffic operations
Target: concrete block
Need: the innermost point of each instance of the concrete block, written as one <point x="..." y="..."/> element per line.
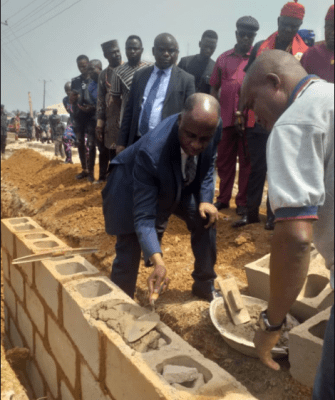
<point x="25" y="326"/>
<point x="35" y="309"/>
<point x="46" y="365"/>
<point x="35" y="379"/>
<point x="315" y="296"/>
<point x="179" y="374"/>
<point x="10" y="227"/>
<point x="9" y="298"/>
<point x="305" y="347"/>
<point x="35" y="243"/>
<point x="63" y="350"/>
<point x="90" y="387"/>
<point x="17" y="282"/>
<point x="65" y="392"/>
<point x="129" y="372"/>
<point x="5" y="264"/>
<point x="47" y="287"/>
<point x="14" y="336"/>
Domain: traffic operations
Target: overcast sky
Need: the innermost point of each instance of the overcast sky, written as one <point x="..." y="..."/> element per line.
<point x="49" y="52"/>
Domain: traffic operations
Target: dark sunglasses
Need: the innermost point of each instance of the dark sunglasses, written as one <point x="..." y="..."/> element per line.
<point x="242" y="34"/>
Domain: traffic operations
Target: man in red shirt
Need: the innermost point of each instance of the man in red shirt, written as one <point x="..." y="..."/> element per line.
<point x="319" y="60"/>
<point x="228" y="76"/>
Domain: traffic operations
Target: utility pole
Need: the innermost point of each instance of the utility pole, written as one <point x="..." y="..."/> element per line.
<point x="31" y="112"/>
<point x="44" y="91"/>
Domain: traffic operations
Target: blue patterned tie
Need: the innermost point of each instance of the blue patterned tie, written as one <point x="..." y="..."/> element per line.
<point x="190" y="170"/>
<point x="148" y="105"/>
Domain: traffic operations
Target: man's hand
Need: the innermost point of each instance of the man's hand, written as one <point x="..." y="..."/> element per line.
<point x="86" y="108"/>
<point x="208" y="209"/>
<point x="239" y="121"/>
<point x="99" y="133"/>
<point x="157" y="281"/>
<point x="119" y="149"/>
<point x="264" y="343"/>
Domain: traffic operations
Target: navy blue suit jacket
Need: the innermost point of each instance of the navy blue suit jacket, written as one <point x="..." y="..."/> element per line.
<point x="145" y="185"/>
<point x="181" y="86"/>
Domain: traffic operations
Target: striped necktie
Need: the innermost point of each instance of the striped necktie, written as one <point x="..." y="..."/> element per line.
<point x="190" y="170"/>
<point x="148" y="105"/>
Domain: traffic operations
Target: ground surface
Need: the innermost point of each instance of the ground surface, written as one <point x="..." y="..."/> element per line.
<point x="46" y="190"/>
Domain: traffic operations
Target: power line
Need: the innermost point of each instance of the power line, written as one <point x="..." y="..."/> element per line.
<point x="2" y="5"/>
<point x="21" y="9"/>
<point x="20" y="72"/>
<point x="40" y="7"/>
<point x="46" y="20"/>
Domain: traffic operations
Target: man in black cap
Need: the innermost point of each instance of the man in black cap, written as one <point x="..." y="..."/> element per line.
<point x="53" y="121"/>
<point x="43" y="122"/>
<point x="201" y="65"/>
<point x="30" y="124"/>
<point x="107" y="125"/>
<point x="227" y="77"/>
<point x="4" y="124"/>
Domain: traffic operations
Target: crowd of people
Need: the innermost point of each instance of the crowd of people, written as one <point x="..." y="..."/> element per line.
<point x="162" y="128"/>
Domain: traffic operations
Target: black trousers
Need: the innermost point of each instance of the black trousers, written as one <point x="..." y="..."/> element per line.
<point x="3" y="143"/>
<point x="104" y="158"/>
<point x="82" y="127"/>
<point x="203" y="241"/>
<point x="257" y="139"/>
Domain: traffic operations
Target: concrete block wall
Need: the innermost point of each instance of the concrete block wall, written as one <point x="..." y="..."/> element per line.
<point x="316" y="295"/>
<point x="48" y="307"/>
<point x="305" y="347"/>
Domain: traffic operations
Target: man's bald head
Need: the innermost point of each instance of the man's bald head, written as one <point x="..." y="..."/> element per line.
<point x="67" y="88"/>
<point x="198" y="123"/>
<point x="269" y="83"/>
<point x="94" y="68"/>
<point x="165" y="50"/>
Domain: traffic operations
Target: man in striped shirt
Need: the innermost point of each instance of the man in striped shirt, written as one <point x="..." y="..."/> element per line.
<point x="123" y="75"/>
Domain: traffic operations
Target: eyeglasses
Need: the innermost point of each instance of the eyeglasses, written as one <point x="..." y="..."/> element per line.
<point x="242" y="34"/>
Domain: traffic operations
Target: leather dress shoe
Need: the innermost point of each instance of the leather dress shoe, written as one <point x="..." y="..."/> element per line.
<point x="270" y="224"/>
<point x="245" y="220"/>
<point x="208" y="296"/>
<point x="221" y="206"/>
<point x="241" y="210"/>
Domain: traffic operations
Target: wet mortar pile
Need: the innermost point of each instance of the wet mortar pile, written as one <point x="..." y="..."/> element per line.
<point x="46" y="190"/>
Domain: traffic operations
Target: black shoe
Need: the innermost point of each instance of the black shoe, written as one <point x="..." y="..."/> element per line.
<point x="90" y="178"/>
<point x="270" y="224"/>
<point x="221" y="206"/>
<point x="82" y="175"/>
<point x="208" y="296"/>
<point x="245" y="220"/>
<point x="241" y="210"/>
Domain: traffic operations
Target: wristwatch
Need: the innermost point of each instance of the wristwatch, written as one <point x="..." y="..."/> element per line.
<point x="265" y="324"/>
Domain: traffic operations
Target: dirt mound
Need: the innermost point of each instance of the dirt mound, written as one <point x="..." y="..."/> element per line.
<point x="47" y="190"/>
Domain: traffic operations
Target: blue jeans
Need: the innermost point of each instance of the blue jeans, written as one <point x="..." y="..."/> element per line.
<point x="324" y="380"/>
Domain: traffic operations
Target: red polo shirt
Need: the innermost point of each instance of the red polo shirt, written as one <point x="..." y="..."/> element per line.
<point x="319" y="60"/>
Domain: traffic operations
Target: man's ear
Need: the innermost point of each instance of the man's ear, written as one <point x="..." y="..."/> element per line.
<point x="200" y="44"/>
<point x="274" y="80"/>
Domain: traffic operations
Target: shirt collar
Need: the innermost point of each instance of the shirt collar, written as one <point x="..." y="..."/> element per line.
<point x="239" y="55"/>
<point x="165" y="71"/>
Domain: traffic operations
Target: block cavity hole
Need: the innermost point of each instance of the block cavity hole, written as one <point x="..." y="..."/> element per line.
<point x="46" y="244"/>
<point x="25" y="227"/>
<point x="93" y="288"/>
<point x="314" y="285"/>
<point x="33" y="236"/>
<point x="185" y="361"/>
<point x="70" y="268"/>
<point x="319" y="329"/>
<point x="18" y="221"/>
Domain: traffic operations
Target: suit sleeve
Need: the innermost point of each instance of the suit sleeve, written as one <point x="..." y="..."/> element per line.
<point x="190" y="88"/>
<point x="145" y="204"/>
<point x="208" y="185"/>
<point x="124" y="133"/>
<point x="182" y="64"/>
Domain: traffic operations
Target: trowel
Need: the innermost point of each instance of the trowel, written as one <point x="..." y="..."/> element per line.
<point x="233" y="299"/>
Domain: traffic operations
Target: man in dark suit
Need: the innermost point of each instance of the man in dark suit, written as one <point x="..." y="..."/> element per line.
<point x="156" y="92"/>
<point x="201" y="65"/>
<point x="170" y="170"/>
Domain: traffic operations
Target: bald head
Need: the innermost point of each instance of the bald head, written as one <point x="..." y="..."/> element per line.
<point x="269" y="83"/>
<point x="67" y="88"/>
<point x="198" y="123"/>
<point x="165" y="50"/>
<point x="94" y="68"/>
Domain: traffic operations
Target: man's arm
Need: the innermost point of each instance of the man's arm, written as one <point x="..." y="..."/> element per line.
<point x="215" y="80"/>
<point x="190" y="88"/>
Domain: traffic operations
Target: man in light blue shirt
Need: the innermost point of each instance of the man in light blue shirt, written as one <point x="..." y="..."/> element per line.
<point x="156" y="93"/>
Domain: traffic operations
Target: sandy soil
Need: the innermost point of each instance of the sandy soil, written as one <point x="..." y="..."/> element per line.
<point x="46" y="190"/>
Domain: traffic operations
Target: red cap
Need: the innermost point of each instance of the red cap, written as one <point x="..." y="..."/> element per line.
<point x="293" y="9"/>
<point x="330" y="13"/>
